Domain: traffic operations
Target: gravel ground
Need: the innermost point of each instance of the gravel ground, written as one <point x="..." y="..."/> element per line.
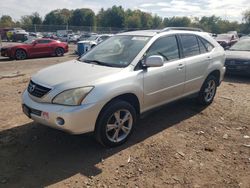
<point x="179" y="145"/>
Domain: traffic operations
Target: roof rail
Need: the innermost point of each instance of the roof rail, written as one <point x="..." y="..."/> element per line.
<point x="181" y="28"/>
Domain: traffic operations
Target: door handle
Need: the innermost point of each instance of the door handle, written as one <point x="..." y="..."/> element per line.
<point x="180" y="66"/>
<point x="208" y="57"/>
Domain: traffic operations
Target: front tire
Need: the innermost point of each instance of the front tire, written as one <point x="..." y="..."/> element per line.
<point x="208" y="91"/>
<point x="20" y="54"/>
<point x="59" y="52"/>
<point x="115" y="123"/>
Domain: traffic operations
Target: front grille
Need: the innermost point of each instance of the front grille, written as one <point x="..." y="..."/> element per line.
<point x="37" y="90"/>
<point x="3" y="50"/>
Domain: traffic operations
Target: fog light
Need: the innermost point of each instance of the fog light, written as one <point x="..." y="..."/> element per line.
<point x="60" y="121"/>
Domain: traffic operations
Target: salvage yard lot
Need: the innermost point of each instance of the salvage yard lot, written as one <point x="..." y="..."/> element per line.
<point x="179" y="145"/>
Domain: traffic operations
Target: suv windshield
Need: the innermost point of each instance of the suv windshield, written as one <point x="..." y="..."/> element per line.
<point x="117" y="51"/>
<point x="242" y="45"/>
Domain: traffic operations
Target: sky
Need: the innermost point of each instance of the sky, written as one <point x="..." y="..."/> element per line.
<point x="226" y="9"/>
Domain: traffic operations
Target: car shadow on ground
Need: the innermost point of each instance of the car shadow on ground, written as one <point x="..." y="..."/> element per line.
<point x="37" y="156"/>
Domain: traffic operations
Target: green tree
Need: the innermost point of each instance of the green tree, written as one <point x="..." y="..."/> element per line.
<point x="57" y="17"/>
<point x="177" y="22"/>
<point x="36" y="18"/>
<point x="83" y="17"/>
<point x="157" y="22"/>
<point x="146" y="20"/>
<point x="246" y="16"/>
<point x="112" y="17"/>
<point x="245" y="27"/>
<point x="26" y="20"/>
<point x="6" y="21"/>
<point x="210" y="24"/>
<point x="133" y="21"/>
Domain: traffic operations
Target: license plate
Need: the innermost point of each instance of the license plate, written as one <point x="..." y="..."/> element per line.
<point x="26" y="110"/>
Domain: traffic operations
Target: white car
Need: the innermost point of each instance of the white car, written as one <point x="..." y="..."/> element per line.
<point x="91" y="42"/>
<point x="107" y="89"/>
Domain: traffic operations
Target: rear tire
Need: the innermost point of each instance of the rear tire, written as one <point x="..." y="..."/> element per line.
<point x="59" y="52"/>
<point x="115" y="123"/>
<point x="208" y="91"/>
<point x="20" y="54"/>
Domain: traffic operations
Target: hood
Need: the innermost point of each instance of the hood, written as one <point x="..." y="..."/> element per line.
<point x="73" y="74"/>
<point x="244" y="55"/>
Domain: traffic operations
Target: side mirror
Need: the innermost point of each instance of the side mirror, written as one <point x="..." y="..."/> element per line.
<point x="154" y="61"/>
<point x="34" y="43"/>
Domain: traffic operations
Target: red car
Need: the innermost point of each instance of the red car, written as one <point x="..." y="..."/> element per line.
<point x="35" y="48"/>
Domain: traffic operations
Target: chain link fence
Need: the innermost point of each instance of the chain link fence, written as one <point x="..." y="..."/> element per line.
<point x="55" y="29"/>
<point x="75" y="29"/>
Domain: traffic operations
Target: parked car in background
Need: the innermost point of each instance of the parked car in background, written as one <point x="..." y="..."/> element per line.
<point x="226" y="40"/>
<point x="35" y="35"/>
<point x="50" y="36"/>
<point x="73" y="38"/>
<point x="63" y="38"/>
<point x="107" y="89"/>
<point x="17" y="35"/>
<point x="35" y="48"/>
<point x="238" y="58"/>
<point x="91" y="42"/>
<point x="245" y="37"/>
<point x="85" y="36"/>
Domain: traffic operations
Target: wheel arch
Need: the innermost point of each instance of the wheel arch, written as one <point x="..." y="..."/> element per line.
<point x="216" y="74"/>
<point x="131" y="98"/>
<point x="20" y="48"/>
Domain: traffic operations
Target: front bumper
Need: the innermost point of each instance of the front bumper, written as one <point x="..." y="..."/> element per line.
<point x="5" y="53"/>
<point x="77" y="119"/>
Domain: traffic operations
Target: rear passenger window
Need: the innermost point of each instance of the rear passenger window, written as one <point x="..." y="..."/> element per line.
<point x="207" y="44"/>
<point x="167" y="47"/>
<point x="190" y="45"/>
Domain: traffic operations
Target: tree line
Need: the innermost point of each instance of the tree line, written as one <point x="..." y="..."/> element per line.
<point x="118" y="17"/>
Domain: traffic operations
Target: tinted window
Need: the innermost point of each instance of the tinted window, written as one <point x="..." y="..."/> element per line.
<point x="166" y="47"/>
<point x="43" y="41"/>
<point x="190" y="45"/>
<point x="207" y="44"/>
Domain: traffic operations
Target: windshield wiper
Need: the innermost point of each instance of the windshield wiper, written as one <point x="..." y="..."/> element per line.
<point x="96" y="62"/>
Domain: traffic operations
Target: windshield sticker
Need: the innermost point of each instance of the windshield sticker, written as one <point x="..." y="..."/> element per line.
<point x="140" y="38"/>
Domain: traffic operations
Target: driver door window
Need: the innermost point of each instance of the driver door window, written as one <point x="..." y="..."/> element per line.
<point x="166" y="47"/>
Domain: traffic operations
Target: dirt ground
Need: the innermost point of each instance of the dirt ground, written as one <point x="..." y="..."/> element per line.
<point x="179" y="145"/>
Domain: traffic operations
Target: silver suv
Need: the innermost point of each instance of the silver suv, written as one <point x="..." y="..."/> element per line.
<point x="107" y="89"/>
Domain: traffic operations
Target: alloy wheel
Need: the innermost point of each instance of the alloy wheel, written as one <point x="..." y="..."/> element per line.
<point x="119" y="125"/>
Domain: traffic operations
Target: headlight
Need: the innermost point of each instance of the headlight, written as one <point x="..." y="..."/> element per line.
<point x="72" y="97"/>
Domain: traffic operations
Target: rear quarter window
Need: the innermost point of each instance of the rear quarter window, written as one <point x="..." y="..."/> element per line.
<point x="209" y="47"/>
